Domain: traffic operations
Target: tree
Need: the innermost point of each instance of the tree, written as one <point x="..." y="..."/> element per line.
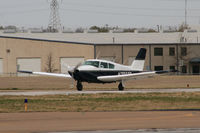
<point x="100" y="29"/>
<point x="182" y="57"/>
<point x="151" y="30"/>
<point x="50" y="67"/>
<point x="11" y="27"/>
<point x="130" y="30"/>
<point x="79" y="30"/>
<point x="182" y="27"/>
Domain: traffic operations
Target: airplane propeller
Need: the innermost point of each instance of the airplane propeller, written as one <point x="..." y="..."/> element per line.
<point x="72" y="70"/>
<point x="75" y="68"/>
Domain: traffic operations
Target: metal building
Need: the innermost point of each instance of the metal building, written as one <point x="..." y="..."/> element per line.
<point x="34" y="51"/>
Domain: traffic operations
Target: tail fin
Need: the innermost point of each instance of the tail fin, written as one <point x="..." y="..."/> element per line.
<point x="138" y="63"/>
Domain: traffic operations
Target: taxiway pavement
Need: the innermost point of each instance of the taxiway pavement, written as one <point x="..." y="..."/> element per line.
<point x="67" y="92"/>
<point x="97" y="121"/>
<point x="176" y="130"/>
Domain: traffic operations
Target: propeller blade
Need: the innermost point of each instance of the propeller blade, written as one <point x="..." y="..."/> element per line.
<point x="75" y="68"/>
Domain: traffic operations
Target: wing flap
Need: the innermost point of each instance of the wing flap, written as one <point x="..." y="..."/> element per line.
<point x="125" y="76"/>
<point x="47" y="74"/>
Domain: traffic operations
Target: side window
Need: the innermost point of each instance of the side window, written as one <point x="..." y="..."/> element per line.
<point x="158" y="51"/>
<point x="171" y="51"/>
<point x="96" y="63"/>
<point x="184" y="69"/>
<point x="172" y="68"/>
<point x="158" y="68"/>
<point x="183" y="51"/>
<point x="104" y="65"/>
<point x="111" y="66"/>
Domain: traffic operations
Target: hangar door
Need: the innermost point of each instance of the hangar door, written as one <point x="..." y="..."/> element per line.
<point x="1" y="66"/>
<point x="29" y="64"/>
<point x="69" y="63"/>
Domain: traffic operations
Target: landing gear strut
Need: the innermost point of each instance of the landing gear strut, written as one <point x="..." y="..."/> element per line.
<point x="121" y="86"/>
<point x="79" y="86"/>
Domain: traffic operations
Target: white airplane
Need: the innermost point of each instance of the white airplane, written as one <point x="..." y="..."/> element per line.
<point x="102" y="71"/>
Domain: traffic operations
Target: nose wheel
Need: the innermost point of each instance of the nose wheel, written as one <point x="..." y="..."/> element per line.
<point x="121" y="86"/>
<point x="79" y="86"/>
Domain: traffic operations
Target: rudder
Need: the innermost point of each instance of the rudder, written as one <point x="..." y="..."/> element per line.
<point x="138" y="63"/>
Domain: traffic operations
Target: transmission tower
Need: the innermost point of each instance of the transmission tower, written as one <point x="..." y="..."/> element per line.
<point x="54" y="21"/>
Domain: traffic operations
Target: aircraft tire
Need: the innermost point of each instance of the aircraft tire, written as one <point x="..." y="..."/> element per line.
<point x="120" y="87"/>
<point x="79" y="86"/>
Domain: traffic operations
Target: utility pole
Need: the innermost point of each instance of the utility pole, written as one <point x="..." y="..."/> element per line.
<point x="185" y="13"/>
<point x="54" y="22"/>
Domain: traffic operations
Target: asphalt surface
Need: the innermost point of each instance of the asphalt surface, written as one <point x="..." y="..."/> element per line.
<point x="181" y="130"/>
<point x="98" y="122"/>
<point x="40" y="93"/>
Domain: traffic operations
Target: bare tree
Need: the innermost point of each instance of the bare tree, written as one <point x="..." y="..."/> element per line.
<point x="183" y="27"/>
<point x="183" y="56"/>
<point x="50" y="67"/>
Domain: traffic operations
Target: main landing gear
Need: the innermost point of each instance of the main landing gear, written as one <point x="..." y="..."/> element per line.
<point x="121" y="86"/>
<point x="79" y="86"/>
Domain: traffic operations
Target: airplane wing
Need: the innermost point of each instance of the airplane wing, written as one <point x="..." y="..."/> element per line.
<point x="47" y="74"/>
<point x="129" y="76"/>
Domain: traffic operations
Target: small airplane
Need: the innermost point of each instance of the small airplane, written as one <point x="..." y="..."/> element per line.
<point x="102" y="71"/>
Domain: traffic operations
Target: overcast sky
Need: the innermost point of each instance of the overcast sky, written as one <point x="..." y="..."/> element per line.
<point x="85" y="13"/>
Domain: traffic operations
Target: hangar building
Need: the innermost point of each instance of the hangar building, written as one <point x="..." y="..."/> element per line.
<point x="34" y="51"/>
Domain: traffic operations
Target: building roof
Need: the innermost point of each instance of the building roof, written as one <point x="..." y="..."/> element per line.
<point x="111" y="38"/>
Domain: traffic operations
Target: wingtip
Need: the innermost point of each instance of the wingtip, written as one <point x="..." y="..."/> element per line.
<point x="29" y="72"/>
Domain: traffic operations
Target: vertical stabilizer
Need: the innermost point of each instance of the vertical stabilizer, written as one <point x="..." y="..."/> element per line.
<point x="138" y="63"/>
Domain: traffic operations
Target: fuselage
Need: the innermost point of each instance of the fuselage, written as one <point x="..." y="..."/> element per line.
<point x="91" y="69"/>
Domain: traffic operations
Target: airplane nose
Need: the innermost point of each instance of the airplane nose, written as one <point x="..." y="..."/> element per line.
<point x="76" y="71"/>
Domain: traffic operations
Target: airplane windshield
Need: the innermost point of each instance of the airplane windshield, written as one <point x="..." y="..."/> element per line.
<point x="92" y="63"/>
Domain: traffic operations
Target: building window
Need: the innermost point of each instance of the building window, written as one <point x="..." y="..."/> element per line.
<point x="184" y="69"/>
<point x="171" y="51"/>
<point x="158" y="68"/>
<point x="158" y="51"/>
<point x="171" y="68"/>
<point x="183" y="51"/>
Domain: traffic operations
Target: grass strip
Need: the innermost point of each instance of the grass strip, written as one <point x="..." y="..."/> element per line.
<point x="101" y="102"/>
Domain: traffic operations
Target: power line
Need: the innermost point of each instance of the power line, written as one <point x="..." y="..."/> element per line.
<point x="131" y="8"/>
<point x="185" y="13"/>
<point x="128" y="14"/>
<point x="24" y="11"/>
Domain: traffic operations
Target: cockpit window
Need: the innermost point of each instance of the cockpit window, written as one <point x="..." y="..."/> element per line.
<point x="111" y="66"/>
<point x="104" y="65"/>
<point x="92" y="63"/>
